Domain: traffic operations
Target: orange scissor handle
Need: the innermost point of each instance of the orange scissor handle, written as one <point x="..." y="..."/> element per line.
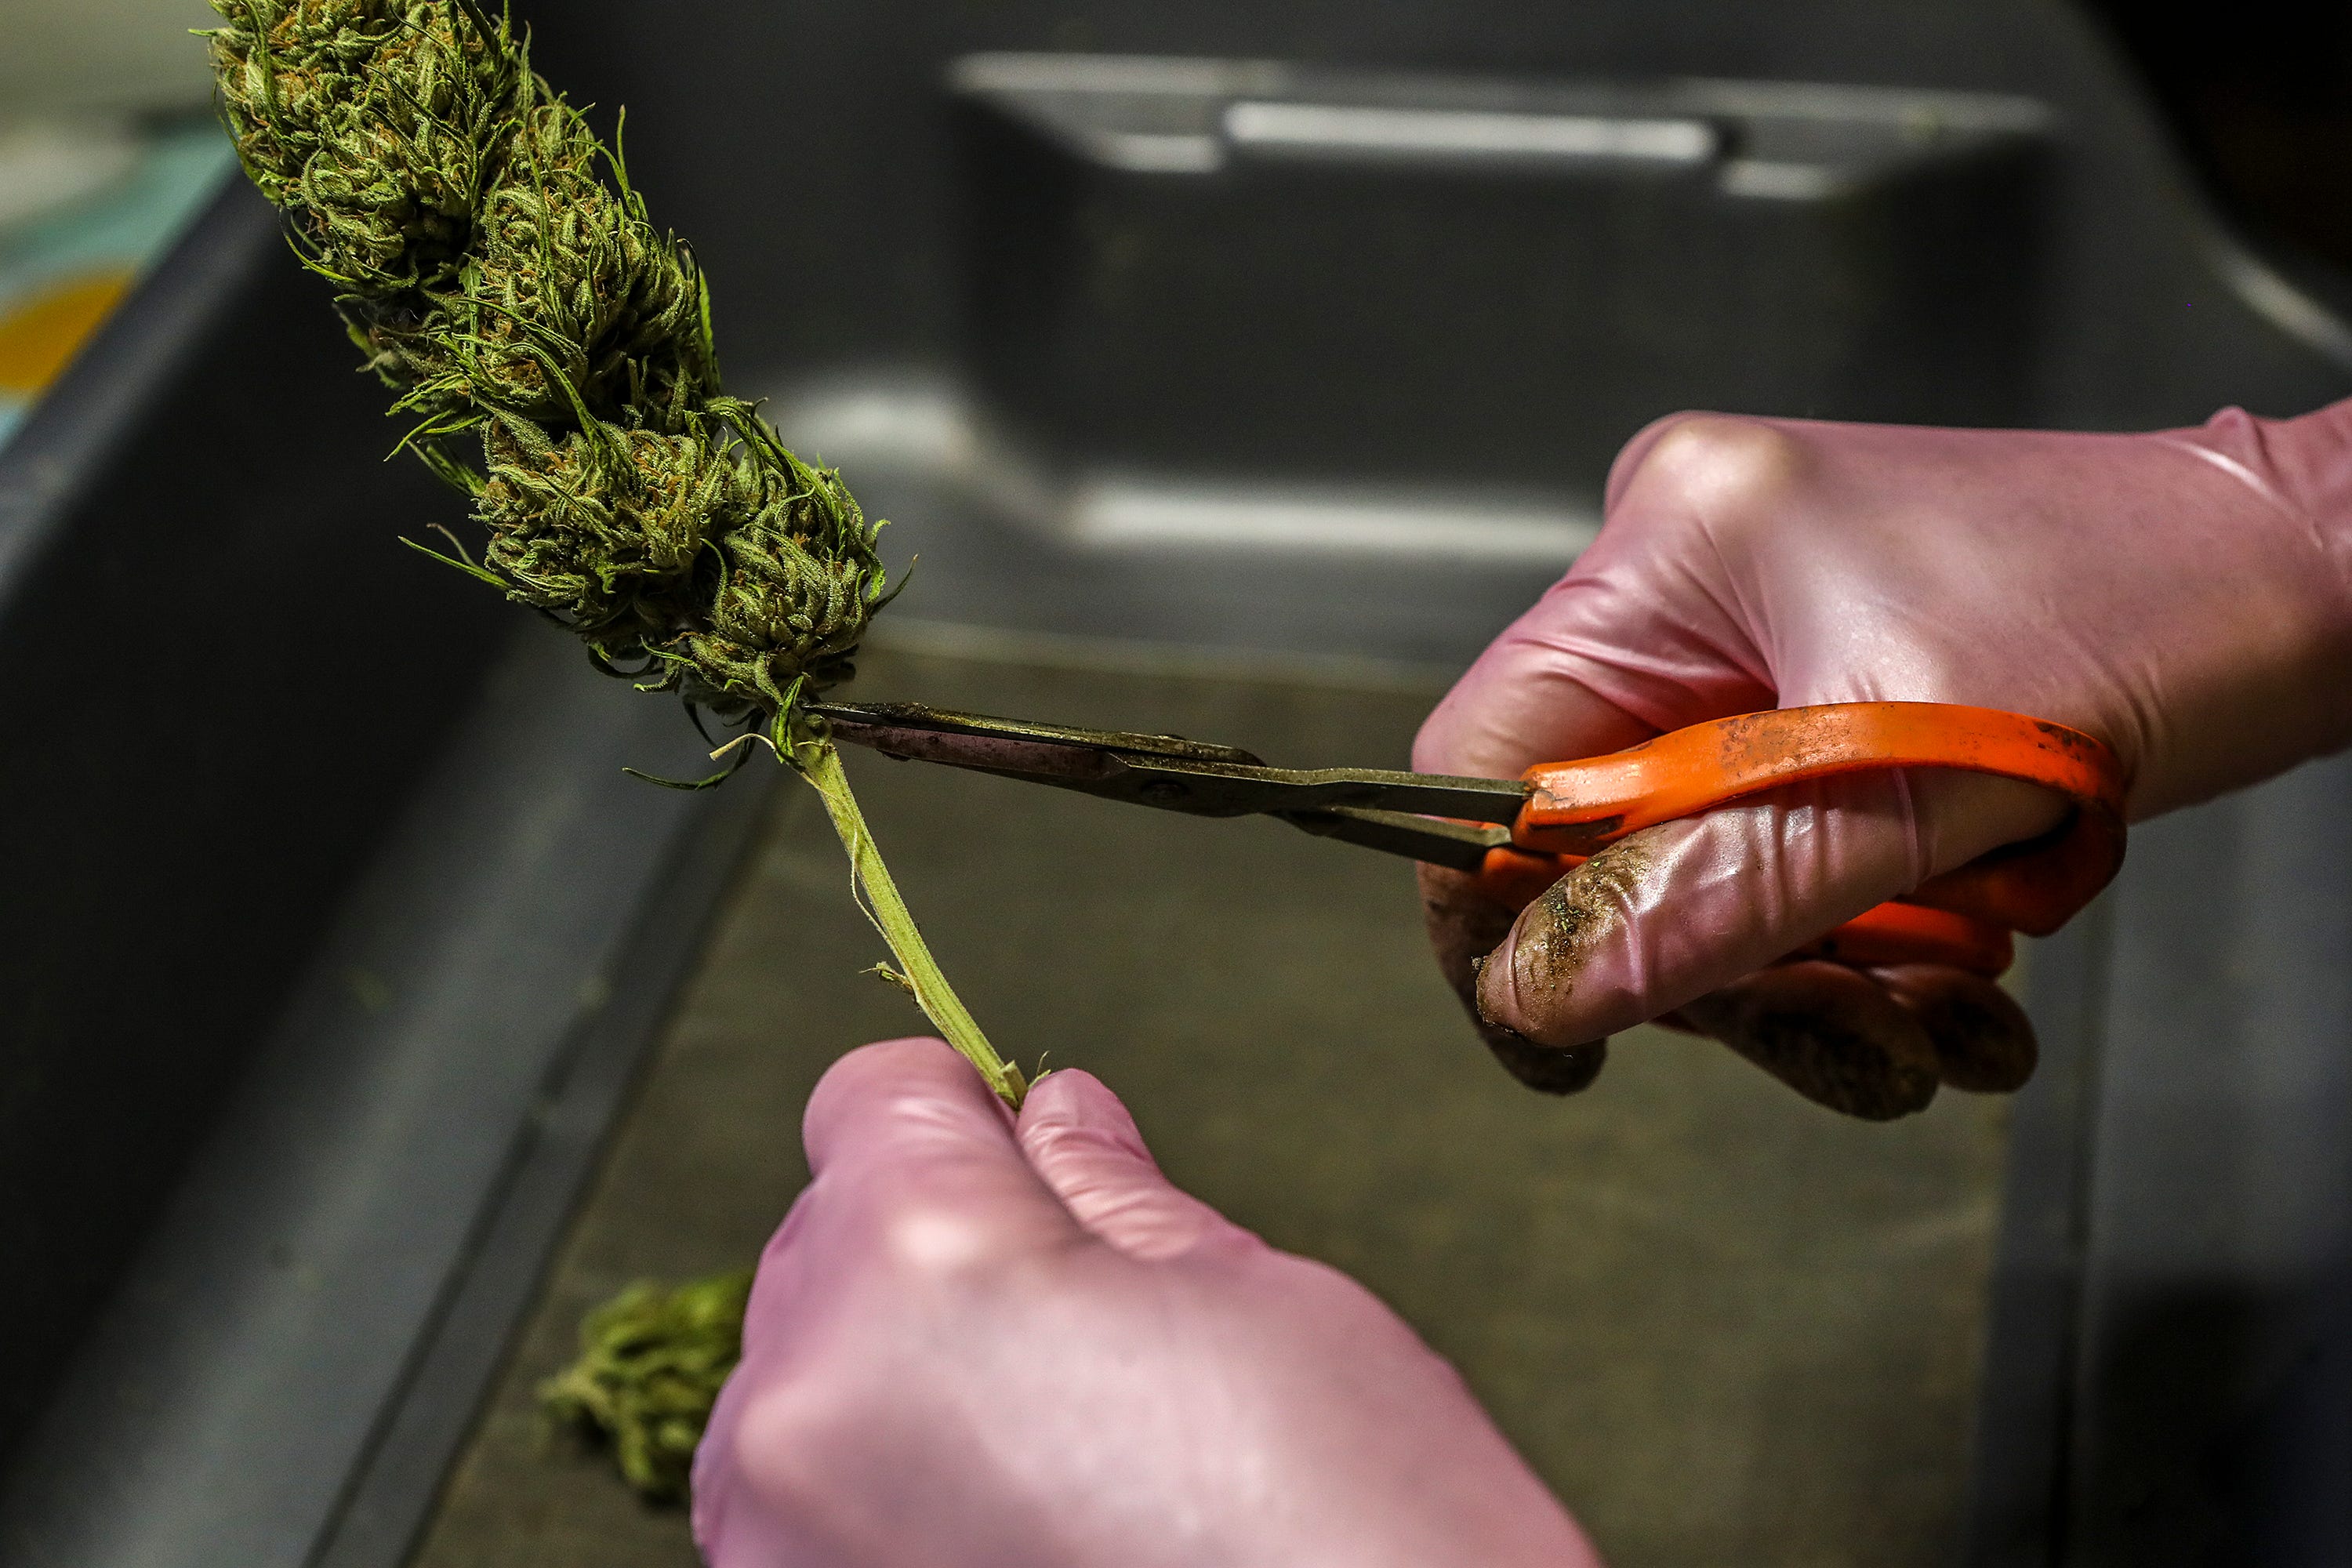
<point x="1963" y="917"/>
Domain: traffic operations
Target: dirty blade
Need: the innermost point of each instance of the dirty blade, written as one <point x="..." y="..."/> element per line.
<point x="1375" y="808"/>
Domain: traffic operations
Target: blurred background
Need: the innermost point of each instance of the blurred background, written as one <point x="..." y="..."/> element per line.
<point x="106" y="144"/>
<point x="1234" y="370"/>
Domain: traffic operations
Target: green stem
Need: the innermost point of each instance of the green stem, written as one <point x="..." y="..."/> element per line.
<point x="819" y="762"/>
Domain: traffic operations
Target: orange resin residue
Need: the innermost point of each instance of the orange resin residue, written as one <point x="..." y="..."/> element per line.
<point x="39" y="336"/>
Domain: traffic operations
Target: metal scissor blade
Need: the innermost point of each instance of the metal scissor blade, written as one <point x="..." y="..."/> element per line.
<point x="1461" y="845"/>
<point x="901" y="719"/>
<point x="1164" y="771"/>
<point x="1056" y="762"/>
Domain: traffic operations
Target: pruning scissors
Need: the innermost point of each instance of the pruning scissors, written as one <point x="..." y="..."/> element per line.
<point x="1519" y="836"/>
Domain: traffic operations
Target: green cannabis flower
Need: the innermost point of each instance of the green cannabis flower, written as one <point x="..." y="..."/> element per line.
<point x="371" y="128"/>
<point x="608" y="527"/>
<point x="651" y="1363"/>
<point x="492" y="261"/>
<point x="494" y="265"/>
<point x="500" y="274"/>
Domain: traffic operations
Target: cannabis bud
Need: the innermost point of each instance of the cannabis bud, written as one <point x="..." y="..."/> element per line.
<point x="493" y="263"/>
<point x="651" y="1364"/>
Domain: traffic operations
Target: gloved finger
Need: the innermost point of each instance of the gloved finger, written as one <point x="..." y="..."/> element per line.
<point x="905" y="1139"/>
<point x="1681" y="909"/>
<point x="1828" y="1032"/>
<point x="1081" y="1140"/>
<point x="1516" y="707"/>
<point x="915" y="1178"/>
<point x="1636" y="639"/>
<point x="1465" y="925"/>
<point x="1984" y="1042"/>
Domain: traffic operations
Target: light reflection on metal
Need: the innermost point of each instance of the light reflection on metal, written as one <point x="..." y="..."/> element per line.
<point x="931" y="428"/>
<point x="1466" y="133"/>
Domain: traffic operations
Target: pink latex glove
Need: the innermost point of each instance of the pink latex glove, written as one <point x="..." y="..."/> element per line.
<point x="2184" y="596"/>
<point x="981" y="1342"/>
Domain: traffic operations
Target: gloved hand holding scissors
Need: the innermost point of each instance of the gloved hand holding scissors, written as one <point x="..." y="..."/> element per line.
<point x="2184" y="596"/>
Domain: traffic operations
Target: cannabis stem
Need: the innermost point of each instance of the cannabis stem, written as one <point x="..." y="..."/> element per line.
<point x="818" y="761"/>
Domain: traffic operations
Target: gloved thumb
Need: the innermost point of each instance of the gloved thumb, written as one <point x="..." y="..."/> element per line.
<point x="1085" y="1146"/>
<point x="1672" y="913"/>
